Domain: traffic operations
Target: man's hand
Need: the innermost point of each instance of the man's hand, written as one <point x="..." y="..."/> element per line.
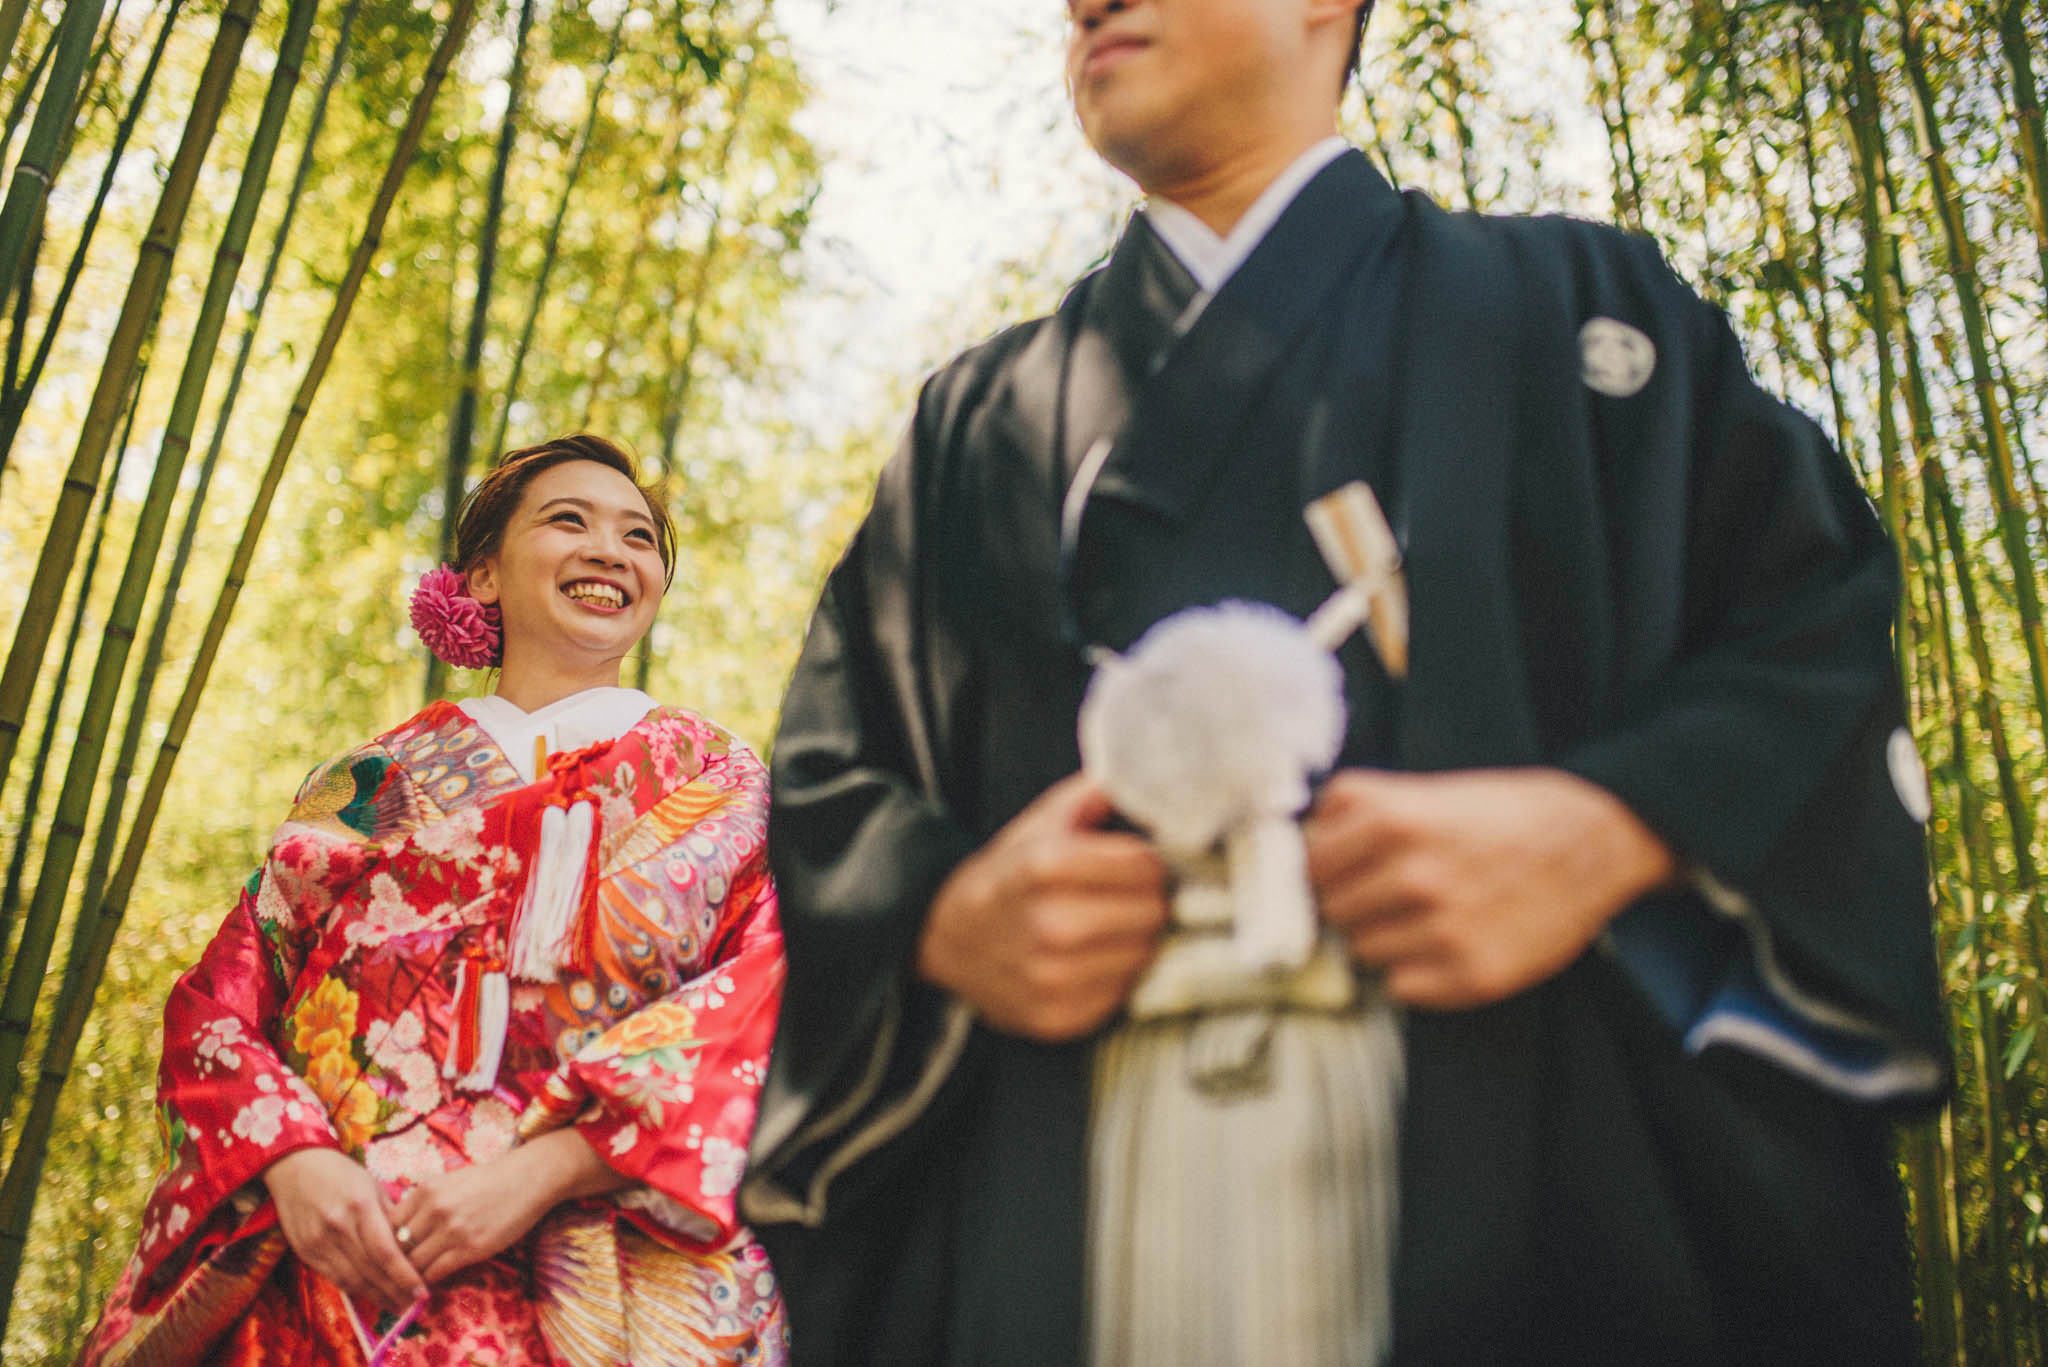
<point x="1045" y="929"/>
<point x="338" y="1221"/>
<point x="462" y="1217"/>
<point x="1468" y="887"/>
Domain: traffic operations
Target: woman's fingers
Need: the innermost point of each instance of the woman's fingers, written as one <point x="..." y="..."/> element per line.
<point x="338" y="1221"/>
<point x="383" y="1262"/>
<point x="407" y="1212"/>
<point x="426" y="1251"/>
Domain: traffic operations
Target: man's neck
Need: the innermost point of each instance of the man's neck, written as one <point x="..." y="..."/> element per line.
<point x="1219" y="191"/>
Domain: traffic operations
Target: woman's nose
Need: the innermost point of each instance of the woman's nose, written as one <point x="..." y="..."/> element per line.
<point x="606" y="548"/>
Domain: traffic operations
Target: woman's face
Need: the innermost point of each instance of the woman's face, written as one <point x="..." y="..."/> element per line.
<point x="577" y="573"/>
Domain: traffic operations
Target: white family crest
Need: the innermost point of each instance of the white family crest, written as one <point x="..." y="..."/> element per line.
<point x="1909" y="776"/>
<point x="1614" y="358"/>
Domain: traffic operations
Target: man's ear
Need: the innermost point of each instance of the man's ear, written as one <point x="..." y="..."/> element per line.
<point x="1335" y="21"/>
<point x="482" y="580"/>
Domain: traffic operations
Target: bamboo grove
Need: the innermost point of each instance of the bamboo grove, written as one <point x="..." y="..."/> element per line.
<point x="276" y="278"/>
<point x="1861" y="184"/>
<point x="238" y="243"/>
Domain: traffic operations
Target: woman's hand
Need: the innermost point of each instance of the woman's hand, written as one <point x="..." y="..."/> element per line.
<point x="338" y="1221"/>
<point x="465" y="1216"/>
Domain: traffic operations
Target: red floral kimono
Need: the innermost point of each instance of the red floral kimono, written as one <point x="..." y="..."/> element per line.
<point x="333" y="1003"/>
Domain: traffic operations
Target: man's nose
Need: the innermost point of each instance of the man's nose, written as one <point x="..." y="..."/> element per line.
<point x="1089" y="13"/>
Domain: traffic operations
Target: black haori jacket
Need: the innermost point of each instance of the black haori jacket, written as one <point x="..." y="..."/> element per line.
<point x="1623" y="559"/>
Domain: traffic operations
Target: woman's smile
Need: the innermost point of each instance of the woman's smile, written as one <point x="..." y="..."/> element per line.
<point x="598" y="595"/>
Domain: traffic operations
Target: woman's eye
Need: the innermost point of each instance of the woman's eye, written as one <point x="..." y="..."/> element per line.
<point x="570" y="518"/>
<point x="646" y="537"/>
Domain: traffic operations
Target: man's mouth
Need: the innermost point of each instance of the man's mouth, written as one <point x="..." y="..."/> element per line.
<point x="1108" y="51"/>
<point x="596" y="593"/>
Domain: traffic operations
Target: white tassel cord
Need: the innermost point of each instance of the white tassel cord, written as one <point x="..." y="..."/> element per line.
<point x="451" y="1057"/>
<point x="489" y="998"/>
<point x="554" y="893"/>
<point x="494" y="1014"/>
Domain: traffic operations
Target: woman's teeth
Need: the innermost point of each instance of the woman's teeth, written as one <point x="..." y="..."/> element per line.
<point x="603" y="595"/>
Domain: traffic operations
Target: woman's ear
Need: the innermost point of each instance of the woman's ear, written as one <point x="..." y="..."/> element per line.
<point x="482" y="580"/>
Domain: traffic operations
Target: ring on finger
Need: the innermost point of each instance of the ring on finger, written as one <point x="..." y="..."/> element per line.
<point x="405" y="1235"/>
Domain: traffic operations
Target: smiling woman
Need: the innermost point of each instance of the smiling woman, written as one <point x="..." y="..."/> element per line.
<point x="468" y="1073"/>
<point x="575" y="553"/>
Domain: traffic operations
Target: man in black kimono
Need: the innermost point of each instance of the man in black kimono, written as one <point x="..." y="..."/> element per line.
<point x="1636" y="839"/>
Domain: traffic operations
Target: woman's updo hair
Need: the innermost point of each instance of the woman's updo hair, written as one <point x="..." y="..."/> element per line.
<point x="489" y="507"/>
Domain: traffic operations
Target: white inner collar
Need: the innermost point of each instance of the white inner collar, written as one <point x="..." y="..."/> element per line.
<point x="1213" y="259"/>
<point x="568" y="723"/>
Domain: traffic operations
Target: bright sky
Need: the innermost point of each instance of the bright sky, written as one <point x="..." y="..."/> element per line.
<point x="949" y="153"/>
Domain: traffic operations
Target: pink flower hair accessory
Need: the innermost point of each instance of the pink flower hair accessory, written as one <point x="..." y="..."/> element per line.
<point x="459" y="630"/>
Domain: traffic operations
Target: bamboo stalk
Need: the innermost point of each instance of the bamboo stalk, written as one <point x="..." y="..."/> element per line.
<point x="462" y="428"/>
<point x="24" y="305"/>
<point x="1629" y="195"/>
<point x="1824" y="326"/>
<point x="1996" y="443"/>
<point x="145" y="295"/>
<point x="1920" y="412"/>
<point x="554" y="237"/>
<point x="1952" y="1221"/>
<point x="1452" y="102"/>
<point x="25" y="293"/>
<point x="74" y="802"/>
<point x="17" y="108"/>
<point x="671" y="178"/>
<point x="31" y="800"/>
<point x="17" y="1191"/>
<point x="1867" y="148"/>
<point x="1939" y="642"/>
<point x="2022" y="458"/>
<point x="678" y="393"/>
<point x="1939" y="1301"/>
<point x="12" y="12"/>
<point x="15" y="398"/>
<point x="1990" y="718"/>
<point x="1988" y="1033"/>
<point x="1379" y="136"/>
<point x="30" y="184"/>
<point x="2026" y="115"/>
<point x="104" y="842"/>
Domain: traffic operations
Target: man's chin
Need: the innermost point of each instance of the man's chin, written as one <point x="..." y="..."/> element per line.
<point x="1134" y="144"/>
<point x="1152" y="157"/>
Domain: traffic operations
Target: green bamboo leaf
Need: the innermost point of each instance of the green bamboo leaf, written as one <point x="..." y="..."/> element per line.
<point x="2016" y="1050"/>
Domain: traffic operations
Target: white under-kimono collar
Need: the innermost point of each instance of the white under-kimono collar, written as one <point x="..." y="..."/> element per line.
<point x="1211" y="259"/>
<point x="568" y="723"/>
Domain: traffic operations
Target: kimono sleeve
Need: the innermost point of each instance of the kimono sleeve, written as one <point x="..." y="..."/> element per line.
<point x="1770" y="749"/>
<point x="861" y="840"/>
<point x="675" y="1083"/>
<point x="228" y="1105"/>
